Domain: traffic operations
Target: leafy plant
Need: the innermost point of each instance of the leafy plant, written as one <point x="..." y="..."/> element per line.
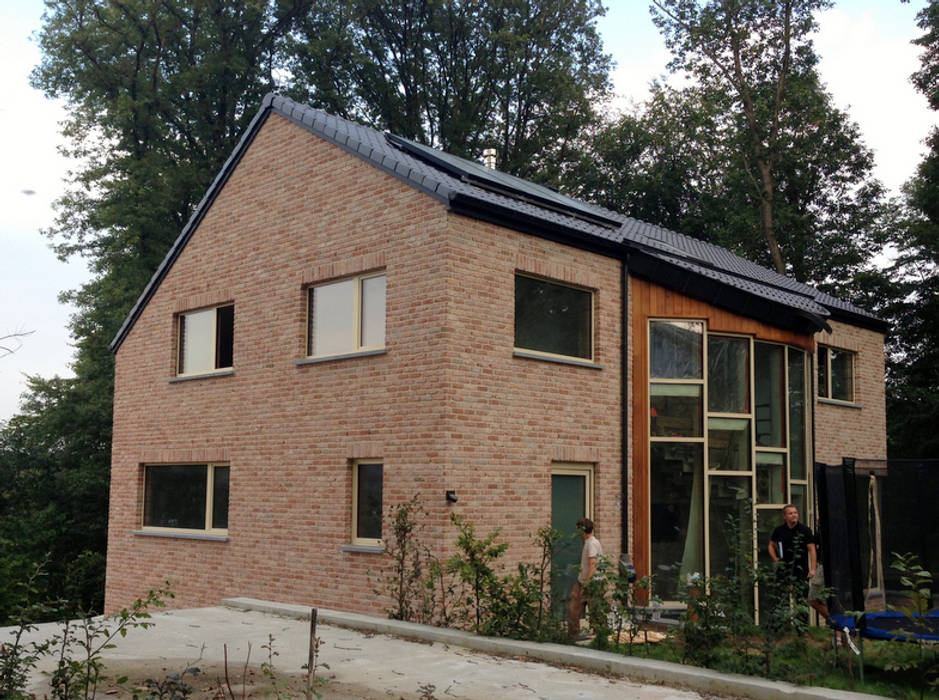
<point x="18" y="658"/>
<point x="77" y="674"/>
<point x="472" y="563"/>
<point x="406" y="582"/>
<point x="917" y="583"/>
<point x="520" y="605"/>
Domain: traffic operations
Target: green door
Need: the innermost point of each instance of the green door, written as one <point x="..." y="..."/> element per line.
<point x="569" y="498"/>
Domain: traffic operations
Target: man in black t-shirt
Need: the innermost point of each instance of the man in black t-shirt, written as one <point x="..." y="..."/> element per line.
<point x="793" y="544"/>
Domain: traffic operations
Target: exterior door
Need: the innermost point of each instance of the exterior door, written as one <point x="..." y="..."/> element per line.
<point x="571" y="500"/>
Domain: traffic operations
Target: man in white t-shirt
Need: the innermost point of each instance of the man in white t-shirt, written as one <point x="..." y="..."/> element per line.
<point x="589" y="556"/>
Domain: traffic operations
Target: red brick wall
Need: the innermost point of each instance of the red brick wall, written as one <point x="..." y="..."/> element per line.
<point x="447" y="407"/>
<point x="859" y="429"/>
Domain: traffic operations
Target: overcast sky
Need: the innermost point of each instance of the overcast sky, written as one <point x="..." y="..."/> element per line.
<point x="866" y="62"/>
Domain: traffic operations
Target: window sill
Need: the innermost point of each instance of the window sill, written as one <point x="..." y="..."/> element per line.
<point x="843" y="404"/>
<point x="527" y="355"/>
<point x="342" y="356"/>
<point x="367" y="549"/>
<point x="181" y="535"/>
<point x="203" y="375"/>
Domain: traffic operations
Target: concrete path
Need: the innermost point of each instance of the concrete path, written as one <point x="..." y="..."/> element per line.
<point x="369" y="658"/>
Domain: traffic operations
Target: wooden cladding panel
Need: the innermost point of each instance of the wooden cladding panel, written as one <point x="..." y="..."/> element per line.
<point x="647" y="301"/>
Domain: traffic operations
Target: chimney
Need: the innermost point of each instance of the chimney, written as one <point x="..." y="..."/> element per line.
<point x="489" y="158"/>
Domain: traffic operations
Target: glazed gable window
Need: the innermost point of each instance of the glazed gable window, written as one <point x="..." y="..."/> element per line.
<point x="206" y="340"/>
<point x="367" y="480"/>
<point x="346" y="316"/>
<point x="553" y="318"/>
<point x="186" y="497"/>
<point x="835" y="374"/>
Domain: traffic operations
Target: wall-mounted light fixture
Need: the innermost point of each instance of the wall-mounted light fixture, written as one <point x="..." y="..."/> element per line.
<point x="451" y="497"/>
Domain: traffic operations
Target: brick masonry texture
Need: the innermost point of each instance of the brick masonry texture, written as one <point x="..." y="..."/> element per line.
<point x="859" y="429"/>
<point x="447" y="406"/>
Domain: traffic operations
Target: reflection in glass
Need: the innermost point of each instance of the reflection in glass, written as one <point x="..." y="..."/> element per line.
<point x="373" y="311"/>
<point x="842" y="375"/>
<point x="731" y="524"/>
<point x="822" y="372"/>
<point x="332" y="318"/>
<point x="368" y="501"/>
<point x="728" y="374"/>
<point x="729" y="444"/>
<point x="676" y="349"/>
<point x="197" y="341"/>
<point x="675" y="410"/>
<point x="771" y="478"/>
<point x="174" y="496"/>
<point x="677" y="500"/>
<point x="798" y="499"/>
<point x="553" y="318"/>
<point x="220" y="498"/>
<point x="796" y="414"/>
<point x="770" y="394"/>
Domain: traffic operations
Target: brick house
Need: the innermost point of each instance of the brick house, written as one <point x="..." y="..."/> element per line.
<point x="351" y="318"/>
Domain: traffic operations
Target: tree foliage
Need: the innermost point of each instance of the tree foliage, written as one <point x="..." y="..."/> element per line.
<point x="159" y="91"/>
<point x="752" y="154"/>
<point x="913" y="308"/>
<point x="520" y="76"/>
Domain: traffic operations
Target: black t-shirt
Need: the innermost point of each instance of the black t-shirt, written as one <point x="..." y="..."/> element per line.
<point x="792" y="545"/>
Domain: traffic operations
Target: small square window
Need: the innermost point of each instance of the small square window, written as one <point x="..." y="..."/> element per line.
<point x="206" y="340"/>
<point x="835" y="374"/>
<point x="346" y="316"/>
<point x="552" y="318"/>
<point x="186" y="497"/>
<point x="367" y="503"/>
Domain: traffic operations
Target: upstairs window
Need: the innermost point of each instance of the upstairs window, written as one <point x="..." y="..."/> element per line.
<point x="206" y="340"/>
<point x="186" y="497"/>
<point x="552" y="318"/>
<point x="835" y="374"/>
<point x="346" y="316"/>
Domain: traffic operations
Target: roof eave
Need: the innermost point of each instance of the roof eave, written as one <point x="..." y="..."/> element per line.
<point x="724" y="296"/>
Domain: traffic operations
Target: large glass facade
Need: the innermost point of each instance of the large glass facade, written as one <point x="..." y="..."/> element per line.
<point x="728" y="447"/>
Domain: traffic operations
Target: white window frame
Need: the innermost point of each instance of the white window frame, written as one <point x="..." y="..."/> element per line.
<point x="181" y="339"/>
<point x="358" y="346"/>
<point x="356" y="464"/>
<point x="209" y="499"/>
<point x="828" y="373"/>
<point x="591" y="335"/>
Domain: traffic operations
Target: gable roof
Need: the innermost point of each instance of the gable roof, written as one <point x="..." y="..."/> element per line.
<point x="693" y="267"/>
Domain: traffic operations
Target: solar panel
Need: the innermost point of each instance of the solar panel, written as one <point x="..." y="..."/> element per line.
<point x="477" y="174"/>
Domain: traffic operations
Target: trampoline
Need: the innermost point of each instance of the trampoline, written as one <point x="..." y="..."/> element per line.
<point x="893" y="626"/>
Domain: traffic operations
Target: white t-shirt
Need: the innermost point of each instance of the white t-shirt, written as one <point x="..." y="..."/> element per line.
<point x="592" y="549"/>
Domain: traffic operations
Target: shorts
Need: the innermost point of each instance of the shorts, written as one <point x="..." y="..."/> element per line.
<point x="817" y="584"/>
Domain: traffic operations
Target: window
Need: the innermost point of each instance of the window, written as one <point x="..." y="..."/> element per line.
<point x="366" y="503"/>
<point x="206" y="340"/>
<point x="835" y="374"/>
<point x="346" y="316"/>
<point x="728" y="445"/>
<point x="186" y="497"/>
<point x="552" y="318"/>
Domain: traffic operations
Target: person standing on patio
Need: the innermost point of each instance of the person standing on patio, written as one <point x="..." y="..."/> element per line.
<point x="589" y="556"/>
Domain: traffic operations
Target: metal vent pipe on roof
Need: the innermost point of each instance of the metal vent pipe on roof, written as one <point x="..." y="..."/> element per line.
<point x="489" y="158"/>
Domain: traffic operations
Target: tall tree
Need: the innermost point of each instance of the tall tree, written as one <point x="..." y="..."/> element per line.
<point x="520" y="76"/>
<point x="791" y="160"/>
<point x="913" y="358"/>
<point x="158" y="93"/>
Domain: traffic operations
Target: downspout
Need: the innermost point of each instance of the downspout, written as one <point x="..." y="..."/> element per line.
<point x="625" y="559"/>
